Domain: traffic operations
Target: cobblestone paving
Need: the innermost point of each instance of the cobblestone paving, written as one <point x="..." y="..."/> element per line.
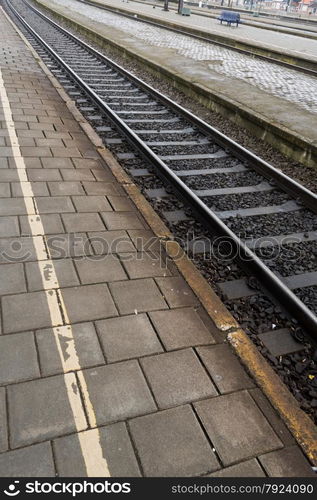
<point x="272" y="78"/>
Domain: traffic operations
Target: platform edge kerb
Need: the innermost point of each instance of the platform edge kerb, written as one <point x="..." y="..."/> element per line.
<point x="288" y="142"/>
<point x="300" y="425"/>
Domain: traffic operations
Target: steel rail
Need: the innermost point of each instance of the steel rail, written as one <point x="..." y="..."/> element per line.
<point x="157" y="24"/>
<point x="295" y="307"/>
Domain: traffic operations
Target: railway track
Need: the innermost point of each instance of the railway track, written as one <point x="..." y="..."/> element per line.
<point x="262" y="216"/>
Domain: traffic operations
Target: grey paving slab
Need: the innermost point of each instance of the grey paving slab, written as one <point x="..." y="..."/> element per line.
<point x="271" y="415"/>
<point x="78" y="174"/>
<point x="127" y="337"/>
<point x="121" y="204"/>
<point x="48" y="416"/>
<point x="18" y="358"/>
<point x="65" y="188"/>
<point x="59" y="163"/>
<point x="224" y="368"/>
<point x="83" y="222"/>
<point x="100" y="269"/>
<point x="116" y="446"/>
<point x="102" y="174"/>
<point x="68" y="245"/>
<point x="104" y="242"/>
<point x="118" y="391"/>
<point x="91" y="204"/>
<point x="33" y="461"/>
<point x="12" y="279"/>
<point x="250" y="468"/>
<point x="86" y="163"/>
<point x="64" y="270"/>
<point x="236" y="427"/>
<point x="101" y="188"/>
<point x="3" y="422"/>
<point x="9" y="226"/>
<point x="38" y="189"/>
<point x="176" y="292"/>
<point x="86" y="344"/>
<point x="122" y="220"/>
<point x="43" y="174"/>
<point x="12" y="206"/>
<point x="17" y="250"/>
<point x="88" y="303"/>
<point x="53" y="204"/>
<point x="289" y="462"/>
<point x="144" y="265"/>
<point x="52" y="224"/>
<point x="177" y="378"/>
<point x="179" y="328"/>
<point x="137" y="296"/>
<point x="4" y="189"/>
<point x="25" y="311"/>
<point x="172" y="443"/>
<point x="144" y="240"/>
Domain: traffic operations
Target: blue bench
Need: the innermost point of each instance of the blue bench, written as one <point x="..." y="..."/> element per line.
<point x="229" y="17"/>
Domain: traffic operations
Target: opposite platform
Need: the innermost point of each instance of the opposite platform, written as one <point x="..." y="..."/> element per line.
<point x="109" y="365"/>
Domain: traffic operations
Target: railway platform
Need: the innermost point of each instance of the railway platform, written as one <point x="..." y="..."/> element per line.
<point x="220" y="78"/>
<point x="109" y="363"/>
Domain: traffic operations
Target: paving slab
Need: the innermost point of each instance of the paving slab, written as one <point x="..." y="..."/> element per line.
<point x="64" y="270"/>
<point x="32" y="461"/>
<point x="88" y="303"/>
<point x="116" y="446"/>
<point x="75" y="223"/>
<point x="216" y="360"/>
<point x="118" y="391"/>
<point x="144" y="265"/>
<point x="91" y="204"/>
<point x="177" y="378"/>
<point x="18" y="358"/>
<point x="127" y="337"/>
<point x="62" y="246"/>
<point x="12" y="279"/>
<point x="65" y="188"/>
<point x="179" y="328"/>
<point x="289" y="462"/>
<point x="104" y="242"/>
<point x="85" y="340"/>
<point x="171" y="443"/>
<point x="236" y="427"/>
<point x="122" y="220"/>
<point x="9" y="226"/>
<point x="176" y="292"/>
<point x="13" y="250"/>
<point x="52" y="204"/>
<point x="48" y="416"/>
<point x="25" y="311"/>
<point x="137" y="296"/>
<point x="100" y="269"/>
